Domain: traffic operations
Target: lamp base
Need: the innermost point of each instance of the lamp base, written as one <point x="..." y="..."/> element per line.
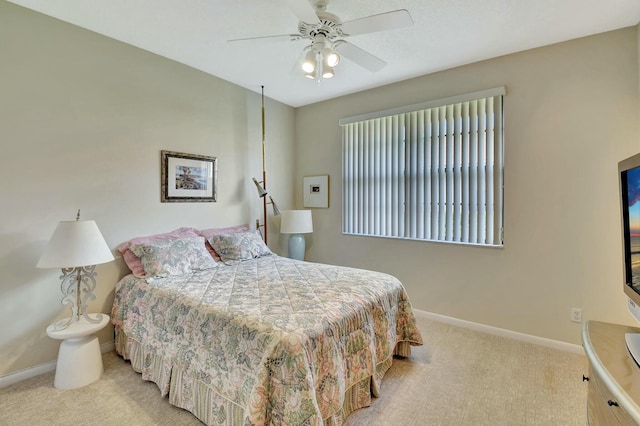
<point x="78" y="285"/>
<point x="296" y="246"/>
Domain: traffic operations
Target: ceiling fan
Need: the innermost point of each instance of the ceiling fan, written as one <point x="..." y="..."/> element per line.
<point x="327" y="34"/>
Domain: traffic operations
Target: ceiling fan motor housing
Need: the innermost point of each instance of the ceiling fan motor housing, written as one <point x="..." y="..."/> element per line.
<point x="329" y="27"/>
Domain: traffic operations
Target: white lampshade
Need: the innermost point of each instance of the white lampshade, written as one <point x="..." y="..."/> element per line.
<point x="327" y="72"/>
<point x="261" y="191"/>
<point x="330" y="57"/>
<point x="296" y="222"/>
<point x="276" y="210"/>
<point x="73" y="244"/>
<point x="309" y="64"/>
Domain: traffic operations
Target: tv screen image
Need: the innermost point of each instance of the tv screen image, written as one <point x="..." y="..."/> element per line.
<point x="633" y="189"/>
<point x="629" y="173"/>
<point x="631" y="204"/>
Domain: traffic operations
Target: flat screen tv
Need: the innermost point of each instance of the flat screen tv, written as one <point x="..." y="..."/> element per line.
<point x="629" y="174"/>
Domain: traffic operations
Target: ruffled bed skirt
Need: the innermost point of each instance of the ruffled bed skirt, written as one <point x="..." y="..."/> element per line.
<point x="186" y="391"/>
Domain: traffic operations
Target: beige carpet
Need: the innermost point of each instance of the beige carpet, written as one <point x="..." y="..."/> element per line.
<point x="459" y="377"/>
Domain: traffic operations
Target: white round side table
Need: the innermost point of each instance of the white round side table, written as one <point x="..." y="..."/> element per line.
<point x="79" y="357"/>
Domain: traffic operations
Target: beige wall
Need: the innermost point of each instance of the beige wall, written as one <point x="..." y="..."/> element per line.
<point x="571" y="113"/>
<point x="82" y="121"/>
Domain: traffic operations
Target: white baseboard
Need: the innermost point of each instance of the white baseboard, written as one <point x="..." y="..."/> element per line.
<point x="542" y="341"/>
<point x="27" y="373"/>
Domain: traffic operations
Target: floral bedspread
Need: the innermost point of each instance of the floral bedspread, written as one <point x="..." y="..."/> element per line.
<point x="270" y="340"/>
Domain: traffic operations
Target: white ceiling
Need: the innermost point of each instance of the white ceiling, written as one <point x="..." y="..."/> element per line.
<point x="445" y="34"/>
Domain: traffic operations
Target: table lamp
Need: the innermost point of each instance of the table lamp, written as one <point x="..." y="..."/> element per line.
<point x="76" y="247"/>
<point x="296" y="223"/>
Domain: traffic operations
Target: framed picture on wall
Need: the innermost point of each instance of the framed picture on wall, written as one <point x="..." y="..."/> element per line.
<point x="316" y="191"/>
<point x="187" y="177"/>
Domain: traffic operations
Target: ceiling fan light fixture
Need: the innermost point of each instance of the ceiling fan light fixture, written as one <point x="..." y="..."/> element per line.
<point x="309" y="64"/>
<point x="330" y="57"/>
<point x="327" y="72"/>
<point x="311" y="74"/>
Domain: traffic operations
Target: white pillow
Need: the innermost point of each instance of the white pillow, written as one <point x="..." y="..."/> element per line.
<point x="239" y="246"/>
<point x="173" y="256"/>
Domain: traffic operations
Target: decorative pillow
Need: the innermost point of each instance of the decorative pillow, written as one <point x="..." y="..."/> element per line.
<point x="208" y="233"/>
<point x="173" y="257"/>
<point x="239" y="246"/>
<point x="133" y="261"/>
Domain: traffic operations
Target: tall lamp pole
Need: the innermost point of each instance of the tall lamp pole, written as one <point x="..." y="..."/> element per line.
<point x="262" y="185"/>
<point x="264" y="174"/>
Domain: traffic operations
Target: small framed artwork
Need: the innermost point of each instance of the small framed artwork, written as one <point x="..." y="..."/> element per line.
<point x="316" y="191"/>
<point x="187" y="177"/>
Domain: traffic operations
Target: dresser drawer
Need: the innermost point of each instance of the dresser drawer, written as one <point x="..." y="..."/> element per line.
<point x="603" y="407"/>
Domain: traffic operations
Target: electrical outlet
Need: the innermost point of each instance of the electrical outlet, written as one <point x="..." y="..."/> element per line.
<point x="576" y="314"/>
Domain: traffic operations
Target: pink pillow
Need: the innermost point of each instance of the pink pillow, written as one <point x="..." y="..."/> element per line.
<point x="133" y="261"/>
<point x="208" y="233"/>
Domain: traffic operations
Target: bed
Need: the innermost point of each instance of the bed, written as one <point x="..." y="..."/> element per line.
<point x="248" y="337"/>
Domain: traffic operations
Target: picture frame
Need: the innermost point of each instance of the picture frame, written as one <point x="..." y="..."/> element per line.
<point x="187" y="177"/>
<point x="315" y="191"/>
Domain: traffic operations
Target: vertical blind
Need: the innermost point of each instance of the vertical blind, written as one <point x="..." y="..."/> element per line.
<point x="427" y="172"/>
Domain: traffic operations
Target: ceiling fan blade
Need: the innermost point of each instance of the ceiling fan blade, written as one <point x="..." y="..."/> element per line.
<point x="360" y="56"/>
<point x="303" y="11"/>
<point x="268" y="39"/>
<point x="385" y="21"/>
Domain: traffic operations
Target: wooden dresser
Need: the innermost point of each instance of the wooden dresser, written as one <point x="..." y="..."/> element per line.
<point x="614" y="377"/>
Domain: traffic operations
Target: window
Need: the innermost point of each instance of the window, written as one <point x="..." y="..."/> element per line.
<point x="432" y="171"/>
